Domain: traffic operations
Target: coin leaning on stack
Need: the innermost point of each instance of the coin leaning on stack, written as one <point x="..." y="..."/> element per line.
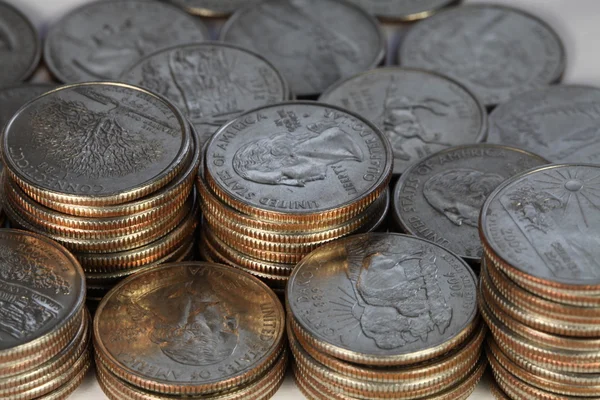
<point x="45" y="328"/>
<point x="540" y="287"/>
<point x="281" y="180"/>
<point x="383" y="316"/>
<point x="106" y="170"/>
<point x="193" y="330"/>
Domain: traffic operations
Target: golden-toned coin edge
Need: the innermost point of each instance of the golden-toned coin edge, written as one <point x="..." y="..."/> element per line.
<point x="497" y="392"/>
<point x="65" y="391"/>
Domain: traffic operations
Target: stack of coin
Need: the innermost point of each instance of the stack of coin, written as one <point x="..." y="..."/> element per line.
<point x="384" y="315"/>
<point x="106" y="170"/>
<point x="540" y="285"/>
<point x="44" y="327"/>
<point x="197" y="330"/>
<point x="281" y="180"/>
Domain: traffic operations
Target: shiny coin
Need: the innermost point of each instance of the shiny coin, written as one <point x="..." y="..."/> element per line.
<point x="420" y="112"/>
<point x="404" y="10"/>
<point x="439" y="198"/>
<point x="314" y="43"/>
<point x="98" y="41"/>
<point x="14" y="97"/>
<point x="212" y="8"/>
<point x="496" y="51"/>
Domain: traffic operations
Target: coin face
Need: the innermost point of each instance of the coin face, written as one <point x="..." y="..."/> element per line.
<point x="403" y="10"/>
<point x="194" y="325"/>
<point x="96" y="139"/>
<point x="210" y="82"/>
<point x="497" y="52"/>
<point x="20" y="46"/>
<point x="546" y="224"/>
<point x="42" y="287"/>
<point x="419" y="112"/>
<point x="98" y="41"/>
<point x="382" y="295"/>
<point x="557" y="122"/>
<point x="298" y="158"/>
<point x="213" y="8"/>
<point x="439" y="198"/>
<point x="14" y="97"/>
<point x="314" y="43"/>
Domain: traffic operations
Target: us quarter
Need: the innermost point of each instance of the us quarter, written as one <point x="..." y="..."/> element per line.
<point x="420" y="112"/>
<point x="14" y="97"/>
<point x="404" y="10"/>
<point x="497" y="52"/>
<point x="212" y="8"/>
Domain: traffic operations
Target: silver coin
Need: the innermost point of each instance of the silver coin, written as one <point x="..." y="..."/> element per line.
<point x="14" y="97"/>
<point x="546" y="223"/>
<point x="383" y="295"/>
<point x="404" y="10"/>
<point x="314" y="43"/>
<point x="212" y="8"/>
<point x="98" y="41"/>
<point x="440" y="197"/>
<point x="559" y="122"/>
<point x="420" y="112"/>
<point x="210" y="82"/>
<point x="299" y="157"/>
<point x="20" y="46"/>
<point x="497" y="52"/>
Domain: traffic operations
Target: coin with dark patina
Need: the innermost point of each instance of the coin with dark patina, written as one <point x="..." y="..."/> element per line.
<point x="545" y="223"/>
<point x="440" y="197"/>
<point x="98" y="41"/>
<point x="212" y="8"/>
<point x="404" y="10"/>
<point x="20" y="46"/>
<point x="420" y="112"/>
<point x="14" y="97"/>
<point x="558" y="122"/>
<point x="497" y="52"/>
<point x="210" y="82"/>
<point x="314" y="43"/>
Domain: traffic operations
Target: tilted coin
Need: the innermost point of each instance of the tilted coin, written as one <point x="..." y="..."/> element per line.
<point x="557" y="122"/>
<point x="14" y="97"/>
<point x="383" y="299"/>
<point x="496" y="51"/>
<point x="20" y="46"/>
<point x="210" y="82"/>
<point x="212" y="8"/>
<point x="404" y="10"/>
<point x="98" y="41"/>
<point x="314" y="43"/>
<point x="440" y="197"/>
<point x="420" y="112"/>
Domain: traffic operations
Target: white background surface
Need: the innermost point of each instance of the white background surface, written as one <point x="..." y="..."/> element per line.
<point x="576" y="21"/>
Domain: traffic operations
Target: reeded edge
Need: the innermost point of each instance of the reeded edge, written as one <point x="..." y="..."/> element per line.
<point x="65" y="391"/>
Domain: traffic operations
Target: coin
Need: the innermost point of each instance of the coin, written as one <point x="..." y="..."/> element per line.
<point x="439" y="198"/>
<point x="20" y="46"/>
<point x="420" y="112"/>
<point x="14" y="97"/>
<point x="314" y="43"/>
<point x="404" y="10"/>
<point x="98" y="41"/>
<point x="496" y="51"/>
<point x="210" y="82"/>
<point x="212" y="8"/>
<point x="351" y="298"/>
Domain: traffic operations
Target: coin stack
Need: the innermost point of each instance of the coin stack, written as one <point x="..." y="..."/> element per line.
<point x="540" y="291"/>
<point x="190" y="329"/>
<point x="282" y="180"/>
<point x="384" y="315"/>
<point x="44" y="328"/>
<point x="106" y="170"/>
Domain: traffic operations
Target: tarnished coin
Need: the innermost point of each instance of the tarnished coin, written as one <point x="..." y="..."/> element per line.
<point x="98" y="41"/>
<point x="198" y="327"/>
<point x="420" y="112"/>
<point x="496" y="51"/>
<point x="211" y="83"/>
<point x="383" y="299"/>
<point x="212" y="8"/>
<point x="14" y="97"/>
<point x="96" y="144"/>
<point x="558" y="122"/>
<point x="440" y="197"/>
<point x="545" y="224"/>
<point x="404" y="10"/>
<point x="314" y="43"/>
<point x="20" y="46"/>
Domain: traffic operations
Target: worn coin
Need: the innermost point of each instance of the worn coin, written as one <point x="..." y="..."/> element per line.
<point x="211" y="83"/>
<point x="314" y="43"/>
<point x="98" y="41"/>
<point x="404" y="10"/>
<point x="212" y="8"/>
<point x="440" y="197"/>
<point x="420" y="112"/>
<point x="14" y="97"/>
<point x="496" y="51"/>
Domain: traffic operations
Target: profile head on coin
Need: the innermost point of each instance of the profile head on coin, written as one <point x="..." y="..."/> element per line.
<point x="403" y="10"/>
<point x="496" y="51"/>
<point x="382" y="298"/>
<point x="440" y="197"/>
<point x="420" y="112"/>
<point x="314" y="43"/>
